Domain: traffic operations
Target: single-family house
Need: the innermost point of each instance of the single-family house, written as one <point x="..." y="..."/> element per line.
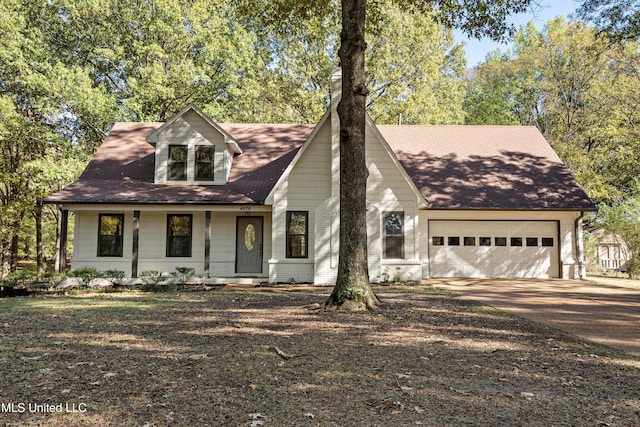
<point x="261" y="201"/>
<point x="612" y="253"/>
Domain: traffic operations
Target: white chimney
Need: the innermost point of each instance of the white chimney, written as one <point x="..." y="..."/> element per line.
<point x="336" y="87"/>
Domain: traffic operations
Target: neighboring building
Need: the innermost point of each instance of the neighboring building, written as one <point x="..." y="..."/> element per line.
<point x="261" y="200"/>
<point x="612" y="252"/>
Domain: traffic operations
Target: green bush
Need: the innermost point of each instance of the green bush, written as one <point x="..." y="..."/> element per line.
<point x="85" y="273"/>
<point x="112" y="274"/>
<point x="18" y="278"/>
<point x="183" y="274"/>
<point x="151" y="277"/>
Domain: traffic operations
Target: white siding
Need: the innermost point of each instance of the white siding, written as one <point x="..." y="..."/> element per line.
<point x="85" y="244"/>
<point x="389" y="191"/>
<point x="192" y="130"/>
<point x="153" y="235"/>
<point x="153" y="243"/>
<point x="307" y="187"/>
<point x="310" y="187"/>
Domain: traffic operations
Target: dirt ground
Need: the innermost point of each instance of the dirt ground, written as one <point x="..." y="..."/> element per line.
<point x="246" y="357"/>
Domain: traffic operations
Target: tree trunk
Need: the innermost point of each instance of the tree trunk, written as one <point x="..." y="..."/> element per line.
<point x="4" y="257"/>
<point x="14" y="246"/>
<point x="353" y="290"/>
<point x="37" y="215"/>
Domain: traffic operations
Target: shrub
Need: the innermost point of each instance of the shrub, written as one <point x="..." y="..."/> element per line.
<point x="151" y="277"/>
<point x="183" y="274"/>
<point x="112" y="274"/>
<point x="17" y="278"/>
<point x="85" y="273"/>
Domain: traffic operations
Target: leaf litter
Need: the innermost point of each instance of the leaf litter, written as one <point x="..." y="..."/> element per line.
<point x="255" y="357"/>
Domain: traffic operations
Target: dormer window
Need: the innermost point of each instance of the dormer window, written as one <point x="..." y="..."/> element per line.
<point x="204" y="162"/>
<point x="177" y="163"/>
<point x="191" y="149"/>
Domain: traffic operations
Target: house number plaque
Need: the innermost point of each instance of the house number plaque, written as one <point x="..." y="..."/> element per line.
<point x="246" y="210"/>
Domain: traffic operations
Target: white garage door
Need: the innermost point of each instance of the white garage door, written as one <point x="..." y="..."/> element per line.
<point x="500" y="249"/>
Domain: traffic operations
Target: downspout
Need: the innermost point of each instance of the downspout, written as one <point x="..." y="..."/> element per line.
<point x="579" y="246"/>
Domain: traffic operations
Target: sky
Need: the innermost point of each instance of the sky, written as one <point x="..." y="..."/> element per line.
<point x="477" y="50"/>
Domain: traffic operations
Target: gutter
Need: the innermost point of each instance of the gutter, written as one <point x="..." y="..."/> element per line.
<point x="579" y="246"/>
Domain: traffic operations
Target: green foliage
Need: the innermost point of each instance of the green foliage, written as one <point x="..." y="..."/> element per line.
<point x="112" y="274"/>
<point x="85" y="273"/>
<point x="579" y="90"/>
<point x="18" y="278"/>
<point x="183" y="274"/>
<point x="617" y="18"/>
<point x="414" y="69"/>
<point x="152" y="277"/>
<point x="397" y="278"/>
<point x="623" y="220"/>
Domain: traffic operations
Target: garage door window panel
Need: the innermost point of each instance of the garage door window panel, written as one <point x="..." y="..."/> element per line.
<point x="516" y="241"/>
<point x="547" y="241"/>
<point x="453" y="241"/>
<point x="485" y="241"/>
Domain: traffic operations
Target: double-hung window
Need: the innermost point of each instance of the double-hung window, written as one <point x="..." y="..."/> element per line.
<point x="177" y="170"/>
<point x="179" y="231"/>
<point x="204" y="162"/>
<point x="110" y="231"/>
<point x="393" y="223"/>
<point x="297" y="234"/>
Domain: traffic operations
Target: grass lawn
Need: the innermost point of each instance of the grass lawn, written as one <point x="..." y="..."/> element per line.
<point x="614" y="281"/>
<point x="260" y="357"/>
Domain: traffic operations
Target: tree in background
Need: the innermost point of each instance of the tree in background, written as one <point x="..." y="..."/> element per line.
<point x="623" y="221"/>
<point x="579" y="90"/>
<point x="619" y="19"/>
<point x="414" y="69"/>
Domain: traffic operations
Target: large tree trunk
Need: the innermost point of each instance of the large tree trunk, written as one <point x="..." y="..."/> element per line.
<point x="353" y="290"/>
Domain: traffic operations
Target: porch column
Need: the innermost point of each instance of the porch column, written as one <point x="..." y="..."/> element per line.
<point x="62" y="250"/>
<point x="136" y="236"/>
<point x="207" y="242"/>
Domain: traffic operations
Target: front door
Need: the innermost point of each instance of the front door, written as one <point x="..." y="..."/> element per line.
<point x="249" y="245"/>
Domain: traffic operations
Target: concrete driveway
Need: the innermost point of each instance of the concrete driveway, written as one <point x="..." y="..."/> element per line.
<point x="608" y="315"/>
